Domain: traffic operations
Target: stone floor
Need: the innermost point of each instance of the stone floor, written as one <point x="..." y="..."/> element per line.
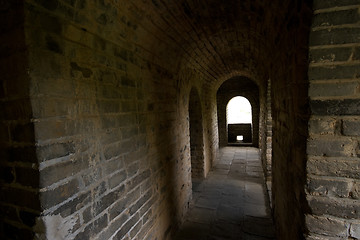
<point x="231" y="202"/>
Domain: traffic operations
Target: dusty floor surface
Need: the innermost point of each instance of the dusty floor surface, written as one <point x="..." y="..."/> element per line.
<point x="231" y="202"/>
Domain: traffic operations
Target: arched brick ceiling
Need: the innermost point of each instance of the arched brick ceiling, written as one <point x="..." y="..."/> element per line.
<point x="218" y="38"/>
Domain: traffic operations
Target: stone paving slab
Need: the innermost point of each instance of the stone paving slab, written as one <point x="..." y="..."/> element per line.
<point x="230" y="203"/>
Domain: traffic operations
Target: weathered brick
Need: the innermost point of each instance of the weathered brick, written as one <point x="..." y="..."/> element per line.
<point x="333" y="89"/>
<point x="355" y="230"/>
<point x="331" y="147"/>
<point x="329" y="187"/>
<point x="356" y="54"/>
<point x="327" y="226"/>
<point x="117" y="179"/>
<point x="75" y="205"/>
<point x="140" y="202"/>
<point x="350" y="16"/>
<point x="50" y="198"/>
<point x="335" y="107"/>
<point x="126" y="227"/>
<point x="135" y="229"/>
<point x="122" y="204"/>
<point x="334" y="36"/>
<point x="342" y="208"/>
<point x="56" y="150"/>
<point x="51" y="174"/>
<point x="45" y="130"/>
<point x="99" y="224"/>
<point x="324" y="126"/>
<point x="351" y="127"/>
<point x="335" y="168"/>
<point x="355" y="190"/>
<point x="89" y="176"/>
<point x="334" y="3"/>
<point x="108" y="200"/>
<point x="330" y="54"/>
<point x="334" y="72"/>
<point x="108" y="106"/>
<point x="138" y="179"/>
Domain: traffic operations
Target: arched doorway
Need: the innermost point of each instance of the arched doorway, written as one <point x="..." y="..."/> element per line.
<point x="239" y="120"/>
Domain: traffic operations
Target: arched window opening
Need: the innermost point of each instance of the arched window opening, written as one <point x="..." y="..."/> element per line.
<point x="239" y="120"/>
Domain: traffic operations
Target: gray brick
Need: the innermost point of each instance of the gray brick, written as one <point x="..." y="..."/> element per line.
<point x="324" y="126"/>
<point x="342" y="208"/>
<point x="335" y="107"/>
<point x="122" y="204"/>
<point x="333" y="89"/>
<point x="355" y="230"/>
<point x="335" y="168"/>
<point x="50" y="198"/>
<point x="52" y="174"/>
<point x="127" y="226"/>
<point x="334" y="36"/>
<point x="330" y="147"/>
<point x="334" y="3"/>
<point x="327" y="226"/>
<point x="350" y="16"/>
<point x="334" y="72"/>
<point x="329" y="187"/>
<point x="351" y="127"/>
<point x="117" y="179"/>
<point x="330" y="54"/>
<point x="140" y="202"/>
<point x="107" y="200"/>
<point x="56" y="150"/>
<point x="74" y="205"/>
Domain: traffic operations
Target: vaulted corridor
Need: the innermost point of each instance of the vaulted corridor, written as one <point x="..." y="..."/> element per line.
<point x="112" y="110"/>
<point x="231" y="203"/>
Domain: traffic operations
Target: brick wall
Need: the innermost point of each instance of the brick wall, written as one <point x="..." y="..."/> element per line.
<point x="196" y="135"/>
<point x="333" y="144"/>
<point x="95" y="97"/>
<point x="289" y="96"/>
<point x="19" y="177"/>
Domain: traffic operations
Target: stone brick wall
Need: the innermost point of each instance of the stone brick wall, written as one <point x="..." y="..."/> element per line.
<point x="19" y="177"/>
<point x="333" y="144"/>
<point x="102" y="127"/>
<point x="196" y="135"/>
<point x="95" y="100"/>
<point x="289" y="96"/>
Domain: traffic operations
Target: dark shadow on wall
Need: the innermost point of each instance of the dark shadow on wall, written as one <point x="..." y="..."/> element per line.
<point x="19" y="174"/>
<point x="196" y="136"/>
<point x="290" y="115"/>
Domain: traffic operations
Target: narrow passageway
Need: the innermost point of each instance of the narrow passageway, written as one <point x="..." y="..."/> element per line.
<point x="230" y="203"/>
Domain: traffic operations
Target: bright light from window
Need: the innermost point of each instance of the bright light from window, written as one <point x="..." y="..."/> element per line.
<point x="239" y="138"/>
<point x="239" y="111"/>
